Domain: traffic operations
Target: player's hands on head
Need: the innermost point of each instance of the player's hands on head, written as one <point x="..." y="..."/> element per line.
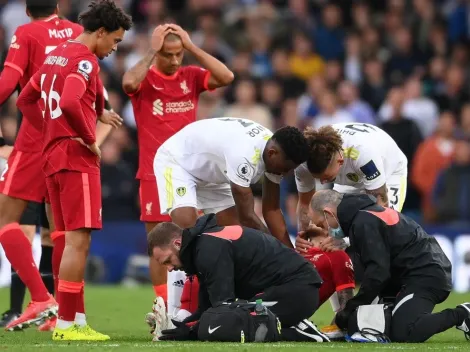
<point x="185" y="38"/>
<point x="331" y="244"/>
<point x="111" y="118"/>
<point x="158" y="36"/>
<point x="302" y="243"/>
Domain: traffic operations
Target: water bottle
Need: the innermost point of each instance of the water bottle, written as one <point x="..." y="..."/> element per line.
<point x="262" y="330"/>
<point x="260" y="309"/>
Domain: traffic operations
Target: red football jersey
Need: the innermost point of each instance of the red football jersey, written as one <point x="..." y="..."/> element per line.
<point x="61" y="152"/>
<point x="163" y="105"/>
<point x="336" y="270"/>
<point x="29" y="47"/>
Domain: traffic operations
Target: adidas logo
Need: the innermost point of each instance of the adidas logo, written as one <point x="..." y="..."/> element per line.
<point x="158" y="107"/>
<point x="179" y="283"/>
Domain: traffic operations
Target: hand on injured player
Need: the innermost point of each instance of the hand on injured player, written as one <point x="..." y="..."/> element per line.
<point x="327" y="244"/>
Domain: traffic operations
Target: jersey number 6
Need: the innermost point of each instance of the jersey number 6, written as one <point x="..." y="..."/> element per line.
<point x="48" y="99"/>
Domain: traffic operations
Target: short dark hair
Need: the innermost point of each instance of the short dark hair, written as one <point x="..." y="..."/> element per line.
<point x="104" y="13"/>
<point x="162" y="235"/>
<point x="293" y="143"/>
<point x="323" y="144"/>
<point x="41" y="8"/>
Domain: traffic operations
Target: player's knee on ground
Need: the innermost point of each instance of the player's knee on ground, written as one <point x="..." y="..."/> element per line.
<point x="46" y="239"/>
<point x="404" y="333"/>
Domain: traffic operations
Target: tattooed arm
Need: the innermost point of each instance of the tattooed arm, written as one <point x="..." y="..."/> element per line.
<point x="303" y="205"/>
<point x="381" y="195"/>
<point x="343" y="297"/>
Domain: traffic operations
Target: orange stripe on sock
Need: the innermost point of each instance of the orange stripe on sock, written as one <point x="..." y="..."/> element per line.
<point x="70" y="286"/>
<point x="56" y="234"/>
<point x="11" y="173"/>
<point x="12" y="226"/>
<point x="161" y="290"/>
<point x="86" y="200"/>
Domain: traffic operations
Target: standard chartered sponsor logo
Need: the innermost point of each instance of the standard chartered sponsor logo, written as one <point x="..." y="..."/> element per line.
<point x="160" y="108"/>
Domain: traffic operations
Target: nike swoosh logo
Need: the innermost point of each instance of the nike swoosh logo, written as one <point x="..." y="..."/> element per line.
<point x="158" y="88"/>
<point x="214" y="329"/>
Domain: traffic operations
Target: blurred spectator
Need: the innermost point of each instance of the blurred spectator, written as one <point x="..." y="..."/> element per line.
<point x="271" y="96"/>
<point x="425" y="169"/>
<point x="406" y="134"/>
<point x="260" y="44"/>
<point x="459" y="22"/>
<point x="360" y="110"/>
<point x="333" y="73"/>
<point x="438" y="42"/>
<point x="451" y="197"/>
<point x="119" y="187"/>
<point x="309" y="102"/>
<point x="292" y="86"/>
<point x="465" y="121"/>
<point x="416" y="107"/>
<point x="329" y="36"/>
<point x="211" y="104"/>
<point x="330" y="111"/>
<point x="361" y="16"/>
<point x="245" y="105"/>
<point x="353" y="60"/>
<point x="404" y="60"/>
<point x="435" y="79"/>
<point x="374" y="86"/>
<point x="455" y="93"/>
<point x="304" y="62"/>
<point x="423" y="18"/>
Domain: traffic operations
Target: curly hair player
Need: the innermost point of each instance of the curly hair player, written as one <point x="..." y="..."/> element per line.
<point x="210" y="165"/>
<point x="357" y="158"/>
<point x="69" y="77"/>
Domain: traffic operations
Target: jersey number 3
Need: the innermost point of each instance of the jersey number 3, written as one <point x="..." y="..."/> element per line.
<point x="50" y="99"/>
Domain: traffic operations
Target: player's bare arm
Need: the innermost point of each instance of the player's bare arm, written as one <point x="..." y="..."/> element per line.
<point x="245" y="204"/>
<point x="220" y="74"/>
<point x="134" y="77"/>
<point x="381" y="195"/>
<point x="272" y="212"/>
<point x="303" y="204"/>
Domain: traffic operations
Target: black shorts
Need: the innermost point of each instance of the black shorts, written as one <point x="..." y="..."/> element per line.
<point x="35" y="214"/>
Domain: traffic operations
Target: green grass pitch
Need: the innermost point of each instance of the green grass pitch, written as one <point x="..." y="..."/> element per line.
<point x="120" y="312"/>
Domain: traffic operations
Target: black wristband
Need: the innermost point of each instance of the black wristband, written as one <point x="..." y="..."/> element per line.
<point x="2" y="142"/>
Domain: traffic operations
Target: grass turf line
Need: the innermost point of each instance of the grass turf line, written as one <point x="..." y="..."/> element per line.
<point x="120" y="312"/>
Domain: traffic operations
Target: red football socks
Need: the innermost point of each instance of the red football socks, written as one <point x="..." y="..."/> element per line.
<point x="161" y="291"/>
<point x="81" y="301"/>
<point x="69" y="297"/>
<point x="19" y="252"/>
<point x="58" y="237"/>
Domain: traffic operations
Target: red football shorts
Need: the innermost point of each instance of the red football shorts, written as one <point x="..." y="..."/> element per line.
<point x="149" y="203"/>
<point x="23" y="177"/>
<point x="75" y="199"/>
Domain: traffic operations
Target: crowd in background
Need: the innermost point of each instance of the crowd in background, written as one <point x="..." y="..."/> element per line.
<point x="401" y="65"/>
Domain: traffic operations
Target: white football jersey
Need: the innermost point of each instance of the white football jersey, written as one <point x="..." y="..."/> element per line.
<point x="221" y="150"/>
<point x="371" y="156"/>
